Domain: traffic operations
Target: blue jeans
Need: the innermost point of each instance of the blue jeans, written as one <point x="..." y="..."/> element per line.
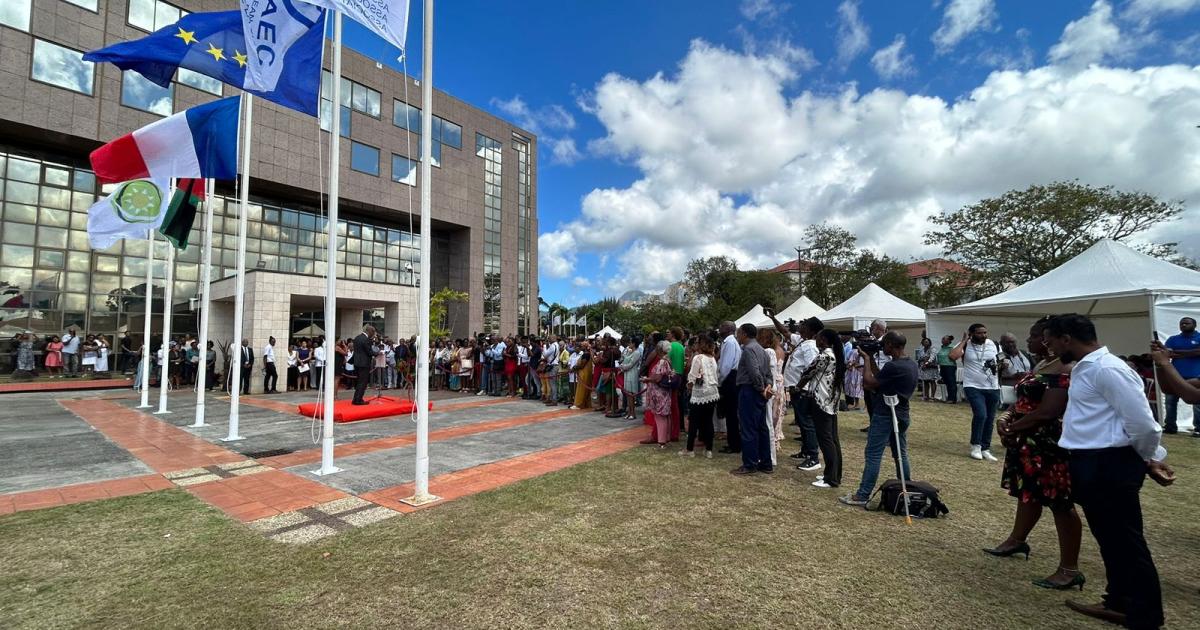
<point x="752" y="417"/>
<point x="808" y="430"/>
<point x="1171" y="423"/>
<point x="879" y="435"/>
<point x="983" y="414"/>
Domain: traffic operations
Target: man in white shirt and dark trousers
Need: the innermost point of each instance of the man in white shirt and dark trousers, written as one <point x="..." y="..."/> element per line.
<point x="731" y="355"/>
<point x="270" y="376"/>
<point x="981" y="383"/>
<point x="803" y="353"/>
<point x="1114" y="443"/>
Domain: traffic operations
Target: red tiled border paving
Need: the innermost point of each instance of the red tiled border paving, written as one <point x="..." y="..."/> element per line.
<point x="266" y="494"/>
<point x="160" y="445"/>
<point x="65" y="384"/>
<point x="67" y="495"/>
<point x="368" y="446"/>
<point x="502" y="473"/>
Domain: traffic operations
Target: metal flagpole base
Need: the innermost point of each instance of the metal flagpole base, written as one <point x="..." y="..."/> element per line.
<point x="321" y="472"/>
<point x="162" y="412"/>
<point x="232" y="438"/>
<point x="417" y="500"/>
<point x="197" y="424"/>
<point x="144" y="406"/>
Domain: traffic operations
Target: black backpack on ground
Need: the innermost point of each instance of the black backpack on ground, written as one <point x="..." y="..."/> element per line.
<point x="923" y="499"/>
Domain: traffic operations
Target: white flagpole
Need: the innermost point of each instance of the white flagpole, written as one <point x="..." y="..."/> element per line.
<point x="164" y="371"/>
<point x="421" y="494"/>
<point x="205" y="280"/>
<point x="239" y="285"/>
<point x="146" y="349"/>
<point x="335" y="133"/>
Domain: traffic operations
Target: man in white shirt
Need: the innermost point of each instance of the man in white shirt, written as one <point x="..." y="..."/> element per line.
<point x="731" y="355"/>
<point x="804" y="352"/>
<point x="270" y="376"/>
<point x="981" y="383"/>
<point x="319" y="363"/>
<point x="550" y="354"/>
<point x="1114" y="443"/>
<point x="70" y="352"/>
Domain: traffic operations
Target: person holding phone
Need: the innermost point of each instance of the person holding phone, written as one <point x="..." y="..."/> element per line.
<point x="1114" y="444"/>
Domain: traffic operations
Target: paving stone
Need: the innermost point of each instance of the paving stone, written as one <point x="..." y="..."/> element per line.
<point x="272" y="523"/>
<point x="308" y="534"/>
<point x="367" y="517"/>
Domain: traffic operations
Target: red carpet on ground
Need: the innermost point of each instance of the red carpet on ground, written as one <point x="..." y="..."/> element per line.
<point x="344" y="411"/>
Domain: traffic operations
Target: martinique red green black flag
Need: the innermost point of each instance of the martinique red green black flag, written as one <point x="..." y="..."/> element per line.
<point x="181" y="213"/>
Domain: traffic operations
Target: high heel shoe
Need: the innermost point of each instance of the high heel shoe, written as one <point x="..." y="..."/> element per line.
<point x="1006" y="553"/>
<point x="1077" y="580"/>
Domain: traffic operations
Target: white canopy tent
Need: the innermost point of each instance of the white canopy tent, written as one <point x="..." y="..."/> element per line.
<point x="754" y="316"/>
<point x="801" y="309"/>
<point x="872" y="303"/>
<point x="607" y="330"/>
<point x="1128" y="295"/>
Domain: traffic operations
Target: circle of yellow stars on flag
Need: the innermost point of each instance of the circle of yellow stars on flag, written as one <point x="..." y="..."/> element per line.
<point x="218" y="54"/>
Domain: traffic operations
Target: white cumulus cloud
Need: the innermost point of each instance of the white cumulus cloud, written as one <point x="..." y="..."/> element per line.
<point x="1092" y="38"/>
<point x="963" y="17"/>
<point x="853" y="36"/>
<point x="735" y="161"/>
<point x="891" y="62"/>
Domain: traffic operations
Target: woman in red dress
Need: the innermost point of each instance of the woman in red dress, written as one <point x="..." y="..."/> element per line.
<point x="1036" y="470"/>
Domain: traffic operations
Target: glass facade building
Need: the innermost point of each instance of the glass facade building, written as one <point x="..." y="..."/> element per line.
<point x="50" y="279"/>
<point x="490" y="150"/>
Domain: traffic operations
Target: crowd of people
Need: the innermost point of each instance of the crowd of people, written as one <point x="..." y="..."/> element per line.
<point x="1077" y="423"/>
<point x="69" y="355"/>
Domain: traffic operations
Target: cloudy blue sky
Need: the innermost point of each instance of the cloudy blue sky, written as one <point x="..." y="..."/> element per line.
<point x="676" y="129"/>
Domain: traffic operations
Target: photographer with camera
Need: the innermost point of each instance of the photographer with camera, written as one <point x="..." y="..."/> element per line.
<point x="982" y="364"/>
<point x="801" y="341"/>
<point x="898" y="377"/>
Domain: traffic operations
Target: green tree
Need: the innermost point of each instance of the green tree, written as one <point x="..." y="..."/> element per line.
<point x="1023" y="234"/>
<point x="438" y="326"/>
<point x="890" y="274"/>
<point x="831" y="250"/>
<point x="698" y="277"/>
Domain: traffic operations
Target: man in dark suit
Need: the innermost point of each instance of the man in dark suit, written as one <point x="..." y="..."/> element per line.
<point x="364" y="351"/>
<point x="247" y="366"/>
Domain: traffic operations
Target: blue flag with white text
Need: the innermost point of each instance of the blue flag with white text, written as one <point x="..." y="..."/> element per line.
<point x="214" y="44"/>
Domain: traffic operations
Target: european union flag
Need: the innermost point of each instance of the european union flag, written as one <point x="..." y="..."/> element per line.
<point x="214" y="44"/>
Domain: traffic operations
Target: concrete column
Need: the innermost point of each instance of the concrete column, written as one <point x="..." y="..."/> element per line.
<point x="268" y="314"/>
<point x="349" y="322"/>
<point x="220" y="328"/>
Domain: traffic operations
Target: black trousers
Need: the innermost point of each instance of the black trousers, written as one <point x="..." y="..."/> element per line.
<point x="700" y="420"/>
<point x="245" y="384"/>
<point x="1106" y="483"/>
<point x="950" y="380"/>
<point x="270" y="377"/>
<point x="360" y="383"/>
<point x="316" y="382"/>
<point x="729" y="406"/>
<point x="831" y="447"/>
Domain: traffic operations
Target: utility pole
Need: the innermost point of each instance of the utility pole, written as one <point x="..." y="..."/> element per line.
<point x="801" y="252"/>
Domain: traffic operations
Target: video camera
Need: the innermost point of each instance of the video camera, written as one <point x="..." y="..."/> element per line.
<point x="869" y="345"/>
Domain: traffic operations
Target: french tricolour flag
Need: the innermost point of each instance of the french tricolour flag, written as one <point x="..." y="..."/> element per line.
<point x="199" y="142"/>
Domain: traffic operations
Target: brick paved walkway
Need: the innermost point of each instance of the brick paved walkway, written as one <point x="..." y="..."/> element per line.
<point x="288" y="506"/>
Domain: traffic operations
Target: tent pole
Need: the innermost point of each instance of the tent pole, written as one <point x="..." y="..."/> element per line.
<point x="1159" y="403"/>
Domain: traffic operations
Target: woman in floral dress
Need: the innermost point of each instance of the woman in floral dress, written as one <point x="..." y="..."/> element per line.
<point x="1036" y="471"/>
<point x="854" y="380"/>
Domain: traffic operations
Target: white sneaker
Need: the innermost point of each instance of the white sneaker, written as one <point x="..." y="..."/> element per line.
<point x="976" y="452"/>
<point x="988" y="456"/>
<point x="820" y="477"/>
<point x="820" y="483"/>
<point x="708" y="454"/>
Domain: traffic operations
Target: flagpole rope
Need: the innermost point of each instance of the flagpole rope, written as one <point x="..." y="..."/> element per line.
<point x="408" y="150"/>
<point x="316" y="430"/>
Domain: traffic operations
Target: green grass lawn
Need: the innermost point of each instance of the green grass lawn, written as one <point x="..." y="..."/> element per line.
<point x="641" y="539"/>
